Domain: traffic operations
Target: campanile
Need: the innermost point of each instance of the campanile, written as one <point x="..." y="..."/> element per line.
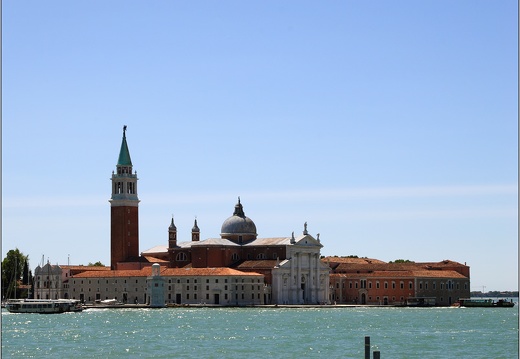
<point x="124" y="210"/>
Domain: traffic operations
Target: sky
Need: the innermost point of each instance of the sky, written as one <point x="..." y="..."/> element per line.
<point x="391" y="128"/>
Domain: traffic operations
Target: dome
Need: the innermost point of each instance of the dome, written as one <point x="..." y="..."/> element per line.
<point x="238" y="225"/>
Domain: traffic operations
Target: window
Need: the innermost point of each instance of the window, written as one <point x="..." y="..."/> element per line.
<point x="410" y="285"/>
<point x="401" y="284"/>
<point x="181" y="257"/>
<point x="393" y="286"/>
<point x="235" y="257"/>
<point x="260" y="256"/>
<point x="377" y="286"/>
<point x="386" y="285"/>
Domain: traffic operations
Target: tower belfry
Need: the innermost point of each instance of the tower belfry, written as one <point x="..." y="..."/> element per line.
<point x="124" y="210"/>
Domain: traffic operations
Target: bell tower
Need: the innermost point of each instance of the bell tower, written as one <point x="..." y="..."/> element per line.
<point x="124" y="210"/>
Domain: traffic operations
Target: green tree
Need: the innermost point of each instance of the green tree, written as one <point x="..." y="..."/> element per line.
<point x="97" y="264"/>
<point x="12" y="273"/>
<point x="402" y="261"/>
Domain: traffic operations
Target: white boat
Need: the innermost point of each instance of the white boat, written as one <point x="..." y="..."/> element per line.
<point x="109" y="302"/>
<point x="44" y="306"/>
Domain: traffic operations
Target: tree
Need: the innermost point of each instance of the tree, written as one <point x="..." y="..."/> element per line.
<point x="97" y="264"/>
<point x="12" y="272"/>
<point x="26" y="271"/>
<point x="402" y="261"/>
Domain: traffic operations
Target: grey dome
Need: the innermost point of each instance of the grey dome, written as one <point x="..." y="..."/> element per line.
<point x="238" y="223"/>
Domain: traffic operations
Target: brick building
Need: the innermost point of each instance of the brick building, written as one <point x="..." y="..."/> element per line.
<point x="371" y="281"/>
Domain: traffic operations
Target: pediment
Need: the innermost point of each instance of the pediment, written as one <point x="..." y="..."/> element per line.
<point x="307" y="241"/>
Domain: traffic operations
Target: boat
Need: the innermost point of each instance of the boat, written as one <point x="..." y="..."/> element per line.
<point x="420" y="302"/>
<point x="44" y="306"/>
<point x="109" y="302"/>
<point x="473" y="302"/>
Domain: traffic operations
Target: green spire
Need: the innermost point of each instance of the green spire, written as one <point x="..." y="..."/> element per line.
<point x="124" y="154"/>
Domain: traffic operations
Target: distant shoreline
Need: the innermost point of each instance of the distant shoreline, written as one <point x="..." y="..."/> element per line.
<point x="495" y="294"/>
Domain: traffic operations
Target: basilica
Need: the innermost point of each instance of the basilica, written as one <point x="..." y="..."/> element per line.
<point x="236" y="269"/>
<point x="239" y="268"/>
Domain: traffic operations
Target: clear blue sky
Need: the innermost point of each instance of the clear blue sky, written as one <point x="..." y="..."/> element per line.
<point x="390" y="127"/>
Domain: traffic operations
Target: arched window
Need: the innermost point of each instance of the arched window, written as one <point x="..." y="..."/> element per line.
<point x="260" y="256"/>
<point x="235" y="257"/>
<point x="181" y="257"/>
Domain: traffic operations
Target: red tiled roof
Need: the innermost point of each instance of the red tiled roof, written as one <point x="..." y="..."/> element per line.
<point x="84" y="268"/>
<point x="155" y="259"/>
<point x="174" y="272"/>
<point x="351" y="260"/>
<point x="260" y="264"/>
<point x="402" y="274"/>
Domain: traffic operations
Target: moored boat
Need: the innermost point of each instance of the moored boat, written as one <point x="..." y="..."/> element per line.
<point x="473" y="302"/>
<point x="44" y="306"/>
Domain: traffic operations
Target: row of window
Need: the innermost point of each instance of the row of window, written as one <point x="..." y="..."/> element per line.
<point x="216" y="280"/>
<point x="450" y="285"/>
<point x="226" y="296"/>
<point x="119" y="188"/>
<point x="225" y="287"/>
<point x="363" y="285"/>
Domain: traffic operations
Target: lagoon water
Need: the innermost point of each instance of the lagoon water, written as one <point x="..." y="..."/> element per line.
<point x="328" y="332"/>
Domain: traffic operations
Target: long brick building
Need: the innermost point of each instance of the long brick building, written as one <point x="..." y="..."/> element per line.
<point x="371" y="281"/>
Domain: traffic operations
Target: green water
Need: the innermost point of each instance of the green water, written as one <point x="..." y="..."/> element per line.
<point x="263" y="332"/>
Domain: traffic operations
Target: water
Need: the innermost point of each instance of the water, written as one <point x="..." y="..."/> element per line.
<point x="263" y="332"/>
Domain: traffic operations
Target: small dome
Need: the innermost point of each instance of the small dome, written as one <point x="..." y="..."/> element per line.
<point x="238" y="224"/>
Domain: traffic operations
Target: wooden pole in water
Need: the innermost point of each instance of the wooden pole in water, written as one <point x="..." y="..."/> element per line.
<point x="376" y="354"/>
<point x="367" y="347"/>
